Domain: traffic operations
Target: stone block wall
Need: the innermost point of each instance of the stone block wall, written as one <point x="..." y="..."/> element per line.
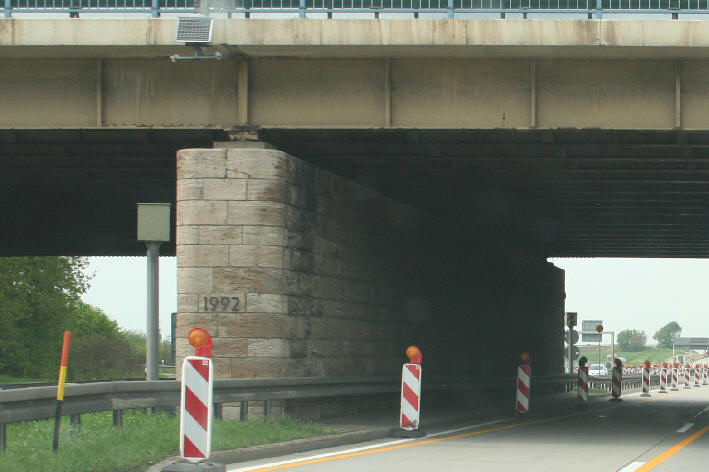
<point x="298" y="272"/>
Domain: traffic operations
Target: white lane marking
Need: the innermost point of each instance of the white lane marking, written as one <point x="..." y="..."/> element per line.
<point x="318" y="456"/>
<point x="685" y="428"/>
<point x="705" y="409"/>
<point x="631" y="467"/>
<point x="364" y="448"/>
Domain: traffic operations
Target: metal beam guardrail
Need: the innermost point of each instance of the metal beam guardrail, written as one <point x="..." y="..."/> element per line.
<point x="36" y="403"/>
<point x="303" y="8"/>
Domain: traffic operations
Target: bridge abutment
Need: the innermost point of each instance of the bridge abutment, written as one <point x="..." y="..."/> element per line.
<point x="297" y="271"/>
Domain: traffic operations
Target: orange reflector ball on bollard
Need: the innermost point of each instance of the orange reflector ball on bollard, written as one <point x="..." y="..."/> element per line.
<point x="414" y="354"/>
<point x="197" y="337"/>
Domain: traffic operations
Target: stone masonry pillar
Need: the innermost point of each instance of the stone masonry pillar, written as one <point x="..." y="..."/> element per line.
<point x="231" y="239"/>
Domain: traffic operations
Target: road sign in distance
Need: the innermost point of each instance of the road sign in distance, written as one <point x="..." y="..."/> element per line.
<point x="590" y="325"/>
<point x="599" y="328"/>
<point x="574" y="336"/>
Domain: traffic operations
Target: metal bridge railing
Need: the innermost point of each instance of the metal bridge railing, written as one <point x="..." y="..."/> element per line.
<point x="303" y="8"/>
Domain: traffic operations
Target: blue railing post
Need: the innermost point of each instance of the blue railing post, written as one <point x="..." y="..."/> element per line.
<point x="451" y="9"/>
<point x="599" y="9"/>
<point x="301" y="9"/>
<point x="8" y="9"/>
<point x="155" y="9"/>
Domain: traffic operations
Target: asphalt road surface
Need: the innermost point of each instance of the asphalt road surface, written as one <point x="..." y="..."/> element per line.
<point x="666" y="432"/>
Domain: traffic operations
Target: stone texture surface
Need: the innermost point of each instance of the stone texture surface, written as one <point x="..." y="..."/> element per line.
<point x="334" y="279"/>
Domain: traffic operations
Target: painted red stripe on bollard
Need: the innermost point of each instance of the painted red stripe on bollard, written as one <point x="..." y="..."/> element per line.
<point x="411" y="397"/>
<point x="190" y="450"/>
<point x="201" y="368"/>
<point x="196" y="408"/>
<point x="522" y="388"/>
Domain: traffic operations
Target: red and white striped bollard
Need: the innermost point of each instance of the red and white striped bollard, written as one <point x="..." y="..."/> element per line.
<point x="646" y="380"/>
<point x="524" y="382"/>
<point x="663" y="379"/>
<point x="196" y="417"/>
<point x="697" y="373"/>
<point x="675" y="378"/>
<point x="410" y="411"/>
<point x="687" y="383"/>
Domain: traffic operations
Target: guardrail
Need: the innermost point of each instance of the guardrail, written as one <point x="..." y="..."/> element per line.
<point x="373" y="8"/>
<point x="36" y="403"/>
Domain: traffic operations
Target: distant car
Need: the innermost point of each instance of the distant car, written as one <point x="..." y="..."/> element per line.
<point x="597" y="370"/>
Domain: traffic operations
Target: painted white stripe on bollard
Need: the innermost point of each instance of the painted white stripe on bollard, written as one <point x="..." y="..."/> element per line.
<point x="675" y="379"/>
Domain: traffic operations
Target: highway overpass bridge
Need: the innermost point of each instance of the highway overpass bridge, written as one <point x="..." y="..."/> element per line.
<point x="359" y="185"/>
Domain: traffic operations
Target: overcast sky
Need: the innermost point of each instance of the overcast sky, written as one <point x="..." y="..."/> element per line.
<point x="640" y="294"/>
<point x="643" y="294"/>
<point x="119" y="288"/>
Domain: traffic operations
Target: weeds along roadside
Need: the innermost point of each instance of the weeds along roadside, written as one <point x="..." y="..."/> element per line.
<point x="143" y="439"/>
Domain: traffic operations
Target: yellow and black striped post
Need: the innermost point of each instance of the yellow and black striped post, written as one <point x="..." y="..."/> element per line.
<point x="60" y="388"/>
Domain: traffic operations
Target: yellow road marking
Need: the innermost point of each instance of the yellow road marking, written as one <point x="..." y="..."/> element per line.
<point x="417" y="443"/>
<point x="674" y="394"/>
<point x="672" y="451"/>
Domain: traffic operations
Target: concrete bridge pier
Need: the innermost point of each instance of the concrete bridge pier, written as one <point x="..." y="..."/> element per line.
<point x="298" y="272"/>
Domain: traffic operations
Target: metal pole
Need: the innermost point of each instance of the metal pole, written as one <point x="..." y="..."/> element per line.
<point x="571" y="348"/>
<point x="612" y="349"/>
<point x="152" y="350"/>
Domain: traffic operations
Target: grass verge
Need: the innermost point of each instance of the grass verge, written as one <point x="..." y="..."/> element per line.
<point x="654" y="355"/>
<point x="144" y="439"/>
<point x="10" y="379"/>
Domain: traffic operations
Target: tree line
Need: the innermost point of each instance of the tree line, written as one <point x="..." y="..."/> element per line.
<point x="633" y="340"/>
<point x="39" y="300"/>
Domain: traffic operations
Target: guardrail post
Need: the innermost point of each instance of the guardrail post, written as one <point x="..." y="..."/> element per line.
<point x="451" y="9"/>
<point x="243" y="411"/>
<point x="301" y="9"/>
<point x="75" y="421"/>
<point x="155" y="9"/>
<point x="599" y="9"/>
<point x="117" y="418"/>
<point x="267" y="409"/>
<point x="3" y="436"/>
<point x="8" y="9"/>
<point x="218" y="414"/>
